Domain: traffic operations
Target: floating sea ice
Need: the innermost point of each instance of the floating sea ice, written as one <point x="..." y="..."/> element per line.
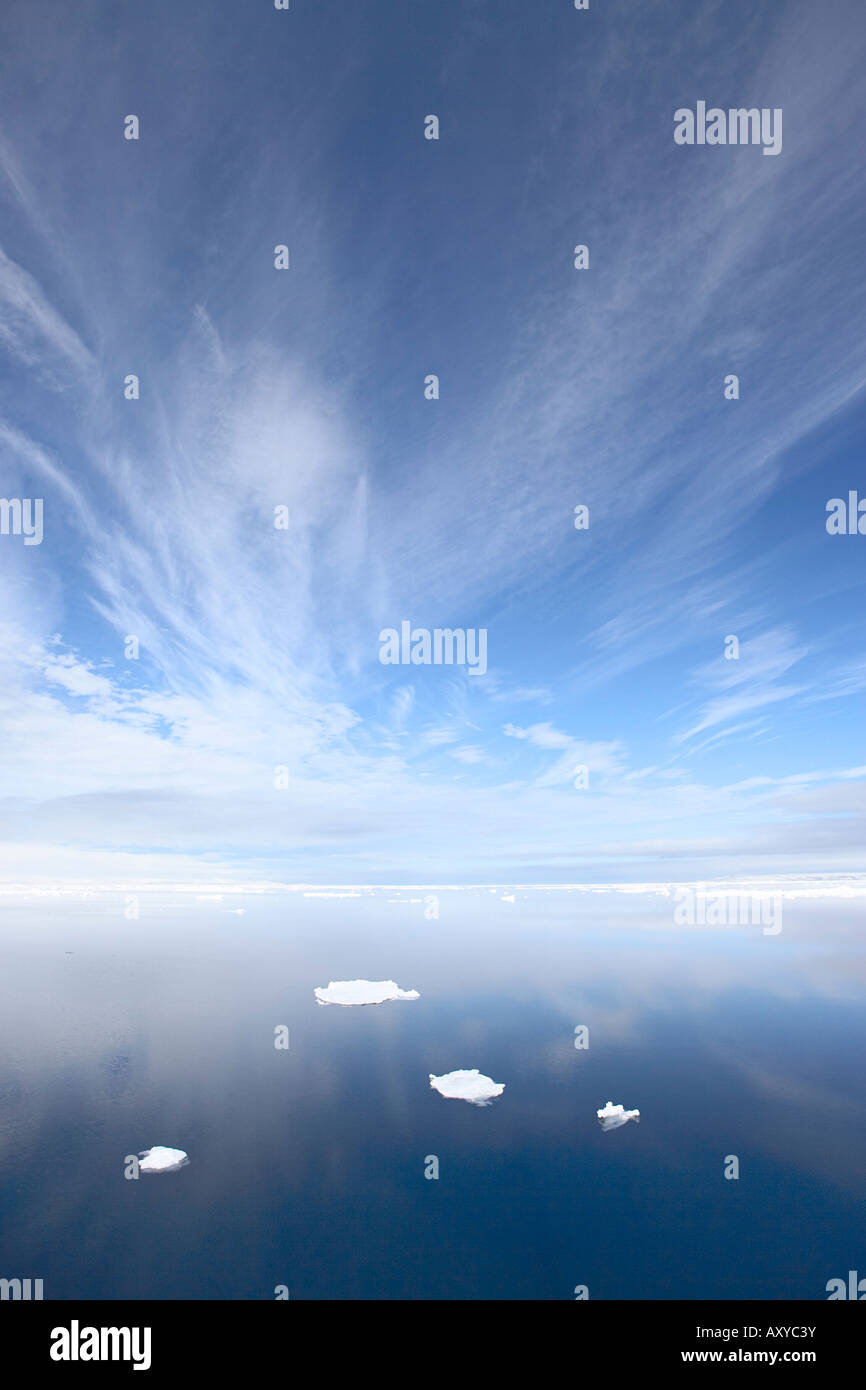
<point x="347" y="992"/>
<point x="612" y="1116"/>
<point x="467" y="1085"/>
<point x="161" y="1160"/>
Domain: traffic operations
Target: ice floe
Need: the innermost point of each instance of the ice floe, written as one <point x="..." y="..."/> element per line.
<point x="467" y="1085"/>
<point x="161" y="1160"/>
<point x="612" y="1116"/>
<point x="347" y="992"/>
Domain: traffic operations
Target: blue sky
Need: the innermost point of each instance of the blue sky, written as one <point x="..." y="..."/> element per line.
<point x="258" y="647"/>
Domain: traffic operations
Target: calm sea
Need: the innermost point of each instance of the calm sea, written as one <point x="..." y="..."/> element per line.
<point x="307" y="1165"/>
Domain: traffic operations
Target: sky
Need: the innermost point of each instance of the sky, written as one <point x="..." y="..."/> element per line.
<point x="257" y="732"/>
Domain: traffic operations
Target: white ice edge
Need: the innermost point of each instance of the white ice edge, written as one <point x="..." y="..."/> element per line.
<point x="843" y="885"/>
<point x="467" y="1085"/>
<point x="161" y="1160"/>
<point x="614" y="1116"/>
<point x="349" y="992"/>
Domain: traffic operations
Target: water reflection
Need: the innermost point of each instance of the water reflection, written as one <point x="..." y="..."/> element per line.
<point x="309" y="1160"/>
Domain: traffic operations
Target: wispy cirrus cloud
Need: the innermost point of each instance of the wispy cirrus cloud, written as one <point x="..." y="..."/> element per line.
<point x="258" y="646"/>
<point x="749" y="681"/>
<point x="31" y="328"/>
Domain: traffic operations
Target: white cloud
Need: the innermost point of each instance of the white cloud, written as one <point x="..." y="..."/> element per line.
<point x="468" y="754"/>
<point x="439" y="737"/>
<point x="30" y="326"/>
<point x="751" y="679"/>
<point x="541" y="735"/>
<point x="259" y="647"/>
<point x="77" y="677"/>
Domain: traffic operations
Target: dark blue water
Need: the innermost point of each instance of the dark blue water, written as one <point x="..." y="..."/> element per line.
<point x="307" y="1166"/>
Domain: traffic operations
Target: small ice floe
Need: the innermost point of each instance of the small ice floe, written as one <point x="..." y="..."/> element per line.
<point x="612" y="1116"/>
<point x="507" y="898"/>
<point x="312" y="894"/>
<point x="348" y="992"/>
<point x="467" y="1085"/>
<point x="161" y="1160"/>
